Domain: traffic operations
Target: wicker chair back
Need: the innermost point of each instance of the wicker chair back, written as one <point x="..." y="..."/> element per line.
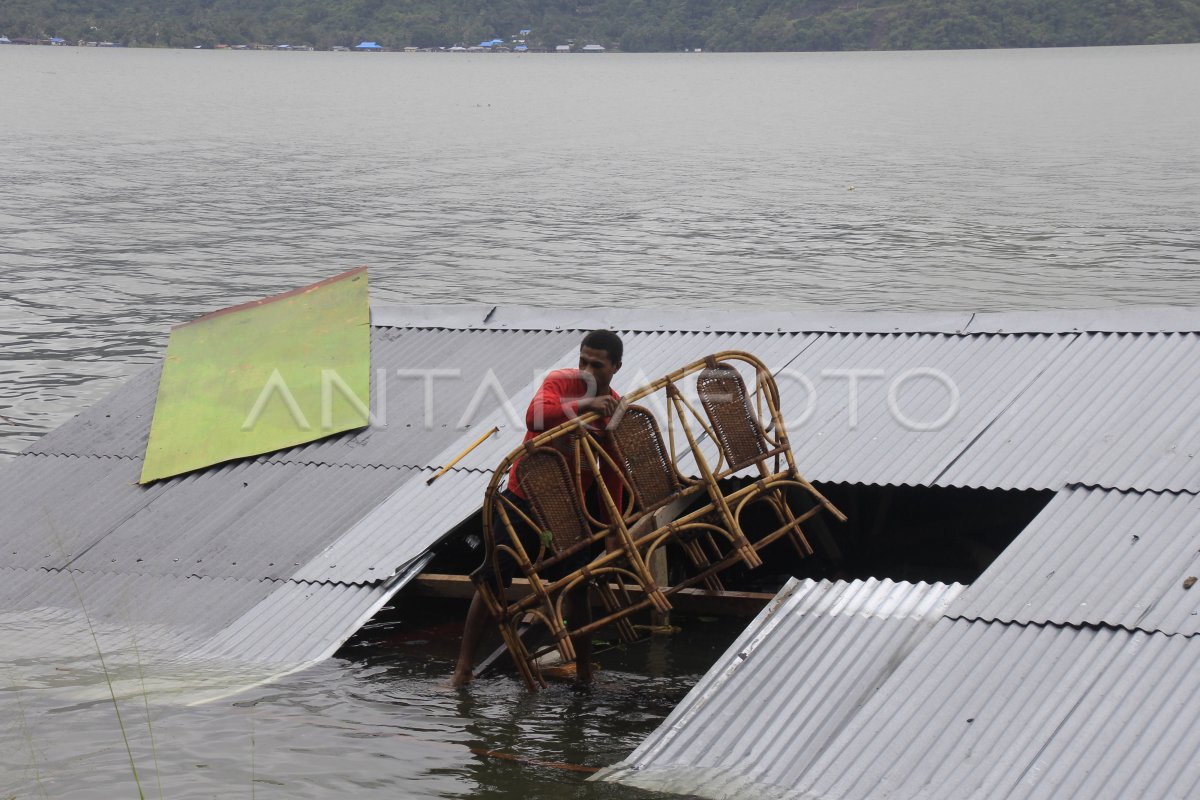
<point x="639" y="447"/>
<point x="723" y="394"/>
<point x="547" y="481"/>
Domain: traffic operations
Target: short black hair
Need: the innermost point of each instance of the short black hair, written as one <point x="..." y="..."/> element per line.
<point x="607" y="341"/>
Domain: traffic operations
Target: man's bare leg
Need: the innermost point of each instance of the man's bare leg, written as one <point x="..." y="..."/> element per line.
<point x="473" y="630"/>
<point x="579" y="612"/>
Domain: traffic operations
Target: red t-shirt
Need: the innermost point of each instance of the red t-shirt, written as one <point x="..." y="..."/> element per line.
<point x="555" y="402"/>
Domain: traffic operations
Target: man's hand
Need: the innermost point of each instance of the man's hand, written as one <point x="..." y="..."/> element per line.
<point x="604" y="406"/>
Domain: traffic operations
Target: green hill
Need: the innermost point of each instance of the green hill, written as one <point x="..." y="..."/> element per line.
<point x="630" y="25"/>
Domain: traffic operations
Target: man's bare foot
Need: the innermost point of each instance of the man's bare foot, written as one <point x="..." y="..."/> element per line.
<point x="462" y="678"/>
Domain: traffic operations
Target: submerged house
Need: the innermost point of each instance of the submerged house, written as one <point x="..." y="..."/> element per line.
<point x="1063" y="446"/>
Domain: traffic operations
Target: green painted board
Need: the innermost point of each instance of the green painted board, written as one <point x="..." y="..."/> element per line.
<point x="263" y="376"/>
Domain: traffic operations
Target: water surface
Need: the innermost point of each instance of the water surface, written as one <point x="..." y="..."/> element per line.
<point x="142" y="188"/>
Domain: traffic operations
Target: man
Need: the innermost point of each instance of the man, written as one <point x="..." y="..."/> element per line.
<point x="563" y="395"/>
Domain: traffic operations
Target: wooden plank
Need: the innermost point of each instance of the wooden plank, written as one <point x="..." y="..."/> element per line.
<point x="687" y="601"/>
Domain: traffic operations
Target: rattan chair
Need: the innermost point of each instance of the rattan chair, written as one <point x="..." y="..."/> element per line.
<point x="567" y="536"/>
<point x="745" y="443"/>
<point x="702" y="516"/>
<point x="655" y="482"/>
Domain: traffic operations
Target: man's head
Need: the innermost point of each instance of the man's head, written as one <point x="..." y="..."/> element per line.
<point x="600" y="356"/>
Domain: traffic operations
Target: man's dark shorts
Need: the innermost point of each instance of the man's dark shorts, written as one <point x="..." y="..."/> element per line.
<point x="530" y="540"/>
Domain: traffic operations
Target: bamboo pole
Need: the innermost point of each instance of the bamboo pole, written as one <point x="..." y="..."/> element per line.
<point x="461" y="456"/>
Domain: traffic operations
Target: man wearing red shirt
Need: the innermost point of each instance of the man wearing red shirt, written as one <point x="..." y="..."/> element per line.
<point x="563" y="395"/>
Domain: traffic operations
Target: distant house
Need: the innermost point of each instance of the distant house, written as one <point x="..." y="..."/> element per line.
<point x="5" y="40"/>
<point x="562" y="48"/>
<point x="526" y="31"/>
<point x="592" y="48"/>
<point x="368" y="47"/>
<point x="340" y="48"/>
<point x="520" y="49"/>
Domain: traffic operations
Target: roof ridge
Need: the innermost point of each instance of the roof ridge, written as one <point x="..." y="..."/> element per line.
<point x="1123" y="319"/>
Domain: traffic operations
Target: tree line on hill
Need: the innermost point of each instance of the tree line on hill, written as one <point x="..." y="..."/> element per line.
<point x="630" y="25"/>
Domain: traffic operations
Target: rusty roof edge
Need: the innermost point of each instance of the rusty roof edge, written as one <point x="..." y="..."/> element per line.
<point x="1132" y="319"/>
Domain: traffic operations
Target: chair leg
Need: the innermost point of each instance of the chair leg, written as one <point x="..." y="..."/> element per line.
<point x="608" y="598"/>
<point x="530" y="674"/>
<point x="700" y="561"/>
<point x="789" y="525"/>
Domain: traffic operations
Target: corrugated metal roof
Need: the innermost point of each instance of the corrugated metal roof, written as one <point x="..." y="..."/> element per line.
<point x="917" y="403"/>
<point x="299" y="623"/>
<point x="1031" y="414"/>
<point x="118" y="425"/>
<point x="1035" y="411"/>
<point x="56" y="507"/>
<point x="987" y="710"/>
<point x="399" y="529"/>
<point x="242" y="520"/>
<point x="1096" y="557"/>
<point x="164" y="619"/>
<point x="1117" y="411"/>
<point x="1111" y="320"/>
<point x="768" y="708"/>
<point x="132" y="600"/>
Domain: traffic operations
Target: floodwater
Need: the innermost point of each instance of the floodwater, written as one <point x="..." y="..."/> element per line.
<point x="142" y="188"/>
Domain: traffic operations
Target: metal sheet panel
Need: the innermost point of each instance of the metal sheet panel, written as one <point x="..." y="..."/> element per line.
<point x="56" y="507"/>
<point x="402" y="527"/>
<point x="772" y="703"/>
<point x="254" y="378"/>
<point x="118" y="425"/>
<point x="1118" y="411"/>
<point x="987" y="710"/>
<point x="1096" y="557"/>
<point x="154" y="621"/>
<point x="296" y="624"/>
<point x="320" y="618"/>
<point x="133" y="601"/>
<point x="241" y="520"/>
<point x="900" y="409"/>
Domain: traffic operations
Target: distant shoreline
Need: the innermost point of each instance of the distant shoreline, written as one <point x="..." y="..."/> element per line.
<point x="631" y="26"/>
